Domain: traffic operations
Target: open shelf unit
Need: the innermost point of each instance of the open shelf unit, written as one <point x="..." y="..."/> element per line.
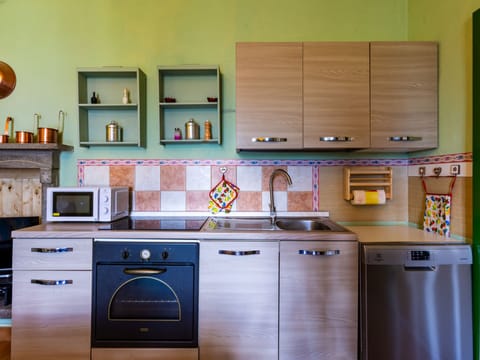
<point x="108" y="83"/>
<point x="190" y="86"/>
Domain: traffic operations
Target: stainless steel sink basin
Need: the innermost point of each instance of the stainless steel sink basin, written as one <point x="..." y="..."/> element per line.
<point x="307" y="224"/>
<point x="302" y="225"/>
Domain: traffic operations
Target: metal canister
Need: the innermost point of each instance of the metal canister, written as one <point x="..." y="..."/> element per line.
<point x="112" y="132"/>
<point x="192" y="130"/>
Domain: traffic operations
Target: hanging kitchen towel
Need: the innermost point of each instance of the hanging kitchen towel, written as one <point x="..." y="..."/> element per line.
<point x="368" y="197"/>
<point x="222" y="196"/>
<point x="437" y="213"/>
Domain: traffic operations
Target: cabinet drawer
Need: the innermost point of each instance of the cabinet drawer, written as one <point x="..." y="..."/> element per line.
<point x="52" y="254"/>
<point x="51" y="315"/>
<point x="144" y="354"/>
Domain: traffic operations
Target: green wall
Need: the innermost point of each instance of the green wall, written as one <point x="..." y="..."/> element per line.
<point x="46" y="40"/>
<point x="450" y="23"/>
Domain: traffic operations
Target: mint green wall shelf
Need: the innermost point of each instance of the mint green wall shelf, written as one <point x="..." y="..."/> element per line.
<point x="190" y="86"/>
<point x="108" y="83"/>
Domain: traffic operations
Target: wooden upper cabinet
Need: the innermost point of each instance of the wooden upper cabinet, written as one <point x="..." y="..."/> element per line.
<point x="269" y="90"/>
<point x="404" y="95"/>
<point x="336" y="95"/>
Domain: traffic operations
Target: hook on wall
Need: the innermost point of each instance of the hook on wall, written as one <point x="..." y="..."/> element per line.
<point x="437" y="171"/>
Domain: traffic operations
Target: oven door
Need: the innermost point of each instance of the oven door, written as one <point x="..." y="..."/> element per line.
<point x="151" y="305"/>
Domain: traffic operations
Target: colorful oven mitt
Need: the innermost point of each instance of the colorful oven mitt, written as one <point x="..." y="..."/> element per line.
<point x="222" y="196"/>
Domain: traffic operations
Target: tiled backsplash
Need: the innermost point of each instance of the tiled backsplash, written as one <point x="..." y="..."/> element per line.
<point x="184" y="185"/>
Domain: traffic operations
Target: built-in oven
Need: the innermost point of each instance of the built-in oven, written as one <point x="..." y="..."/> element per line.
<point x="145" y="293"/>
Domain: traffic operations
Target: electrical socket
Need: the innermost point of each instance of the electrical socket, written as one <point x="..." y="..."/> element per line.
<point x="455" y="169"/>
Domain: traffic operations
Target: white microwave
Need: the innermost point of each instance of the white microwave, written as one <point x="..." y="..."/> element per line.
<point x="87" y="204"/>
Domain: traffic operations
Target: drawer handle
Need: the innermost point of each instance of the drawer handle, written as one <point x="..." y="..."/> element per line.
<point x="144" y="271"/>
<point x="269" y="139"/>
<point x="239" y="252"/>
<point x="52" y="250"/>
<point x="405" y="138"/>
<point x="51" y="282"/>
<point x="337" y="138"/>
<point x="319" y="252"/>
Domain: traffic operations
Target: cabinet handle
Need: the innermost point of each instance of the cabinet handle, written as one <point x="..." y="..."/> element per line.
<point x="51" y="282"/>
<point x="405" y="138"/>
<point x="319" y="252"/>
<point x="269" y="139"/>
<point x="144" y="271"/>
<point x="52" y="250"/>
<point x="239" y="252"/>
<point x="337" y="138"/>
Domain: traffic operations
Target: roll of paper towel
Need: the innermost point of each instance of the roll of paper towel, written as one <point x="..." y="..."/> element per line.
<point x="368" y="197"/>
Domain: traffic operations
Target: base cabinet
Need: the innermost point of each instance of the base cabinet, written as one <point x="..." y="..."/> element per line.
<point x="51" y="301"/>
<point x="238" y="303"/>
<point x="144" y="354"/>
<point x="318" y="300"/>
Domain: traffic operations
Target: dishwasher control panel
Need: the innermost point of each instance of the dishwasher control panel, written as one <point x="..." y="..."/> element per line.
<point x="416" y="255"/>
<point x="419" y="255"/>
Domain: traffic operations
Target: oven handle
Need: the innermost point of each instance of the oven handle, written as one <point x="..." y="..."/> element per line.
<point x="239" y="252"/>
<point x="52" y="250"/>
<point x="51" y="282"/>
<point x="143" y="271"/>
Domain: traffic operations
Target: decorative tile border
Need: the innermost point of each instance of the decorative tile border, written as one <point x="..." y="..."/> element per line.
<point x="441" y="159"/>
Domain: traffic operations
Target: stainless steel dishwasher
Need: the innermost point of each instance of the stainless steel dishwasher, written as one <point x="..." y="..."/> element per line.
<point x="416" y="302"/>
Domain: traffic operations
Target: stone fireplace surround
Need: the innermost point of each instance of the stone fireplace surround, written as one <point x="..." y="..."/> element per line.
<point x="38" y="163"/>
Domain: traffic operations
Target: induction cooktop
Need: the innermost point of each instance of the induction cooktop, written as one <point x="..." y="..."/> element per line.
<point x="156" y="224"/>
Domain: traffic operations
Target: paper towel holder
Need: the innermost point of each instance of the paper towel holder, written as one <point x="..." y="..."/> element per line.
<point x="367" y="178"/>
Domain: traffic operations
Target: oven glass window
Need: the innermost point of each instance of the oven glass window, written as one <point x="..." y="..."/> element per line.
<point x="73" y="204"/>
<point x="145" y="298"/>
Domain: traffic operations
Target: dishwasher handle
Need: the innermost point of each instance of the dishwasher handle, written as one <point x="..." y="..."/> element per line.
<point x="420" y="268"/>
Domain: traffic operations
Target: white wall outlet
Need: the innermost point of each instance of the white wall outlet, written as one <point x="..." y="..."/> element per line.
<point x="455" y="169"/>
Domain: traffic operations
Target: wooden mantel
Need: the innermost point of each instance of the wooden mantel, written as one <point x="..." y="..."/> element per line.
<point x="45" y="157"/>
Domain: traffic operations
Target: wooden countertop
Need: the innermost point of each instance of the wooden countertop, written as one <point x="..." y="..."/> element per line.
<point x="91" y="230"/>
<point x="399" y="234"/>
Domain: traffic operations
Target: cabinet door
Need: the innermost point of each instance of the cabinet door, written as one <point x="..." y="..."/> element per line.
<point x="404" y="93"/>
<point x="238" y="303"/>
<point x="336" y="95"/>
<point x="51" y="320"/>
<point x="269" y="96"/>
<point x="318" y="300"/>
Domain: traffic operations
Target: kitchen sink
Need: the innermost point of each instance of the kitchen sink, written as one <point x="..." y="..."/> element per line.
<point x="283" y="223"/>
<point x="302" y="225"/>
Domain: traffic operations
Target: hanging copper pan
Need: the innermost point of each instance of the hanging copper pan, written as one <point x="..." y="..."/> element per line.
<point x="7" y="80"/>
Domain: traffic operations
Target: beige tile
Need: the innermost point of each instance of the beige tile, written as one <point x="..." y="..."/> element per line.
<point x="300" y="201"/>
<point x="122" y="175"/>
<point x="172" y="177"/>
<point x="147" y="201"/>
<point x="230" y="174"/>
<point x="197" y="200"/>
<point x="249" y="201"/>
<point x="279" y="183"/>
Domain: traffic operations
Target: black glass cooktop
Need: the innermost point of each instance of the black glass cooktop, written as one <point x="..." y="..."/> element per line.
<point x="164" y="223"/>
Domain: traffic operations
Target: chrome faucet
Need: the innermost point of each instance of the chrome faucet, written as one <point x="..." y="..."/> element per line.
<point x="273" y="210"/>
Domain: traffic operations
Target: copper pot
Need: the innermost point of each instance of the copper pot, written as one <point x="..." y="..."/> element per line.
<point x="8" y="80"/>
<point x="23" y="137"/>
<point x="49" y="135"/>
<point x="5" y="136"/>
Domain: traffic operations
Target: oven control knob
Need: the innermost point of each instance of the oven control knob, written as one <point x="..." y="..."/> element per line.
<point x="145" y="254"/>
<point x="125" y="254"/>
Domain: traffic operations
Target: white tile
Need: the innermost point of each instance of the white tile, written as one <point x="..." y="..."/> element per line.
<point x="172" y="201"/>
<point x="249" y="178"/>
<point x="147" y="178"/>
<point x="301" y="178"/>
<point x="198" y="178"/>
<point x="280" y="199"/>
<point x="96" y="175"/>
